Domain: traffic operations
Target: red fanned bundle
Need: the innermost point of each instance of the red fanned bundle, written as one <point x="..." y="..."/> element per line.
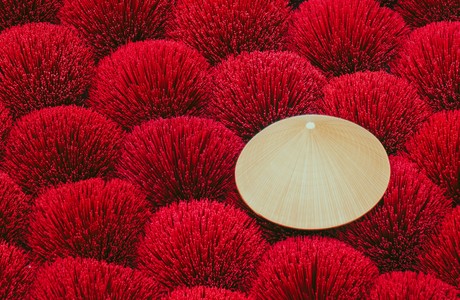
<point x="440" y="254"/>
<point x="393" y="232"/>
<point x="384" y="104"/>
<point x="435" y="148"/>
<point x="181" y="158"/>
<point x="346" y="36"/>
<point x="17" y="12"/>
<point x="219" y="28"/>
<point x="149" y="80"/>
<point x="5" y="125"/>
<point x="411" y="286"/>
<point x="256" y="89"/>
<point x="108" y="24"/>
<point x="201" y="243"/>
<point x="205" y="293"/>
<point x="419" y="13"/>
<point x="430" y="59"/>
<point x="77" y="278"/>
<point x="43" y="65"/>
<point x="313" y="268"/>
<point x="59" y="145"/>
<point x="91" y="219"/>
<point x="16" y="272"/>
<point x="14" y="211"/>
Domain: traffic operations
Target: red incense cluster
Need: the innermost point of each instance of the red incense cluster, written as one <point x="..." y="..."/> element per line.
<point x="386" y="105"/>
<point x="181" y="158"/>
<point x="16" y="272"/>
<point x="419" y="13"/>
<point x="90" y="219"/>
<point x="17" y="12"/>
<point x="430" y="60"/>
<point x="346" y="36"/>
<point x="149" y="80"/>
<point x="435" y="149"/>
<point x="201" y="243"/>
<point x="440" y="254"/>
<point x="393" y="233"/>
<point x="77" y="278"/>
<point x="43" y="65"/>
<point x="313" y="268"/>
<point x="256" y="89"/>
<point x="411" y="286"/>
<point x="59" y="145"/>
<point x="108" y="24"/>
<point x="219" y="28"/>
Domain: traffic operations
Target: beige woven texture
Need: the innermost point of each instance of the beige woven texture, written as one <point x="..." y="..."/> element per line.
<point x="312" y="172"/>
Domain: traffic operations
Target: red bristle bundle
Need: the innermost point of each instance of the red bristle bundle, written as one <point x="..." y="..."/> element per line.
<point x="411" y="286"/>
<point x="435" y="149"/>
<point x="313" y="268"/>
<point x="205" y="293"/>
<point x="77" y="278"/>
<point x="201" y="243"/>
<point x="18" y="12"/>
<point x="43" y="65"/>
<point x="150" y="80"/>
<point x="440" y="254"/>
<point x="386" y="105"/>
<point x="346" y="36"/>
<point x="14" y="211"/>
<point x="220" y="28"/>
<point x="256" y="89"/>
<point x="108" y="24"/>
<point x="181" y="158"/>
<point x="419" y="13"/>
<point x="393" y="233"/>
<point x="91" y="219"/>
<point x="16" y="272"/>
<point x="59" y="145"/>
<point x="430" y="60"/>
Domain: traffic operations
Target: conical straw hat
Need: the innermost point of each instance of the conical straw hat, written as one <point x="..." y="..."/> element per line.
<point x="312" y="172"/>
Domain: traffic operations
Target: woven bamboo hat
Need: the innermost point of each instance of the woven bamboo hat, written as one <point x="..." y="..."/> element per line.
<point x="312" y="172"/>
